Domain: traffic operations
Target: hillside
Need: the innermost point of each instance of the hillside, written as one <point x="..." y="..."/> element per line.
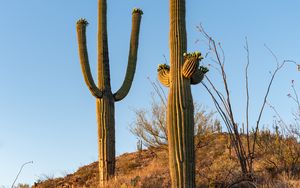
<point x="131" y="169"/>
<point x="216" y="166"/>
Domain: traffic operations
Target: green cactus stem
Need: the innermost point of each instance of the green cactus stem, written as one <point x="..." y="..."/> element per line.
<point x="81" y="30"/>
<point x="180" y="109"/>
<point x="105" y="99"/>
<point x="164" y="74"/>
<point x="132" y="58"/>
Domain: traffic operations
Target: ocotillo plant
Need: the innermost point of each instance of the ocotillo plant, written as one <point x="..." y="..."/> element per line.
<point x="105" y="99"/>
<point x="183" y="72"/>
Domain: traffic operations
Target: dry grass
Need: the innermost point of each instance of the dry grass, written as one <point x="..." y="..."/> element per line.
<point x="216" y="166"/>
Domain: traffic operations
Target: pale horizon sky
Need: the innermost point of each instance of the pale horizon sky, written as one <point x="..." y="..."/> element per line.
<point x="47" y="114"/>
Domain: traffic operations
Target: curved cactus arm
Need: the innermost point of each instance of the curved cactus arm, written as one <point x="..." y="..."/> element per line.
<point x="84" y="61"/>
<point x="198" y="75"/>
<point x="163" y="72"/>
<point x="191" y="63"/>
<point x="132" y="57"/>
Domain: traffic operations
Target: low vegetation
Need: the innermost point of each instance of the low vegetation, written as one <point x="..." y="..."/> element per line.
<point x="216" y="166"/>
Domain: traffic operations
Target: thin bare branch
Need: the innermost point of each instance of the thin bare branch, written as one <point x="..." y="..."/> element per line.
<point x="247" y="96"/>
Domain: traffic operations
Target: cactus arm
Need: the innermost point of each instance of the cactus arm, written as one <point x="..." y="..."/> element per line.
<point x="198" y="75"/>
<point x="190" y="67"/>
<point x="84" y="61"/>
<point x="163" y="72"/>
<point x="191" y="63"/>
<point x="132" y="57"/>
<point x="103" y="57"/>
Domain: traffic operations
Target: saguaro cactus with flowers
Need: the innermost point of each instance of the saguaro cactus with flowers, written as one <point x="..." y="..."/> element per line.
<point x="105" y="99"/>
<point x="183" y="72"/>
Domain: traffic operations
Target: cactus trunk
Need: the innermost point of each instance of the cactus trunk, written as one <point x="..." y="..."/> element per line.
<point x="180" y="110"/>
<point x="105" y="99"/>
<point x="105" y="105"/>
<point x="106" y="137"/>
<point x="183" y="72"/>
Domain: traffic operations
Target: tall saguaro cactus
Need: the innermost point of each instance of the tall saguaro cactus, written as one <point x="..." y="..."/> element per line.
<point x="183" y="72"/>
<point x="105" y="99"/>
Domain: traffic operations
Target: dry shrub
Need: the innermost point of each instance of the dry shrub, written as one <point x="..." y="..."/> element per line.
<point x="216" y="166"/>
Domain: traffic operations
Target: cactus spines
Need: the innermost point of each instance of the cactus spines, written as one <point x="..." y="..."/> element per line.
<point x="180" y="109"/>
<point x="164" y="74"/>
<point x="105" y="99"/>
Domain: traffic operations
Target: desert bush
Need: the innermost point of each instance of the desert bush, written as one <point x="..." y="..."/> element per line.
<point x="21" y="185"/>
<point x="149" y="125"/>
<point x="279" y="153"/>
<point x="280" y="147"/>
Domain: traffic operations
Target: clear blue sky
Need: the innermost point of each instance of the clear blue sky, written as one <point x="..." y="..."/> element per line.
<point x="47" y="114"/>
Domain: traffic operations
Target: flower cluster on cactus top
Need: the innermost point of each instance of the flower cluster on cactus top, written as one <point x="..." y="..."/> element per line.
<point x="137" y="10"/>
<point x="196" y="55"/>
<point x="163" y="67"/>
<point x="203" y="69"/>
<point x="83" y="21"/>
